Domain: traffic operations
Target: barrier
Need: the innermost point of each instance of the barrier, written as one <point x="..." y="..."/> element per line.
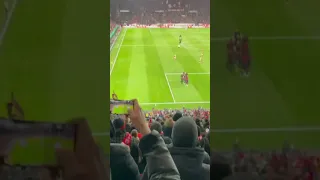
<point x="169" y="25"/>
<point x="114" y="31"/>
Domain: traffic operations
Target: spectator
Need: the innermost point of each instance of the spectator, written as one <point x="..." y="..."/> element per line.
<point x="159" y="163"/>
<point x="119" y="133"/>
<point x="188" y="157"/>
<point x="157" y="127"/>
<point x="177" y="116"/>
<point x="122" y="164"/>
<point x="168" y="125"/>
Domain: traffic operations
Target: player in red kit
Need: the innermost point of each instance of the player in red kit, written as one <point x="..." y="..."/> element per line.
<point x="245" y="57"/>
<point x="182" y="78"/>
<point x="186" y="79"/>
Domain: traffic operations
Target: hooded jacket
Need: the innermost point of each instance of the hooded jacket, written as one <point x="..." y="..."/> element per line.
<point x="123" y="166"/>
<point x="160" y="164"/>
<point x="188" y="158"/>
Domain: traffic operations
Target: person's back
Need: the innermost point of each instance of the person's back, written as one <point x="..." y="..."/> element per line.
<point x="187" y="157"/>
<point x="122" y="164"/>
<point x="189" y="162"/>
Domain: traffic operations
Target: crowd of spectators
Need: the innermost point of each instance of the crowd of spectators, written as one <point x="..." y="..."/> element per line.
<point x="162" y="11"/>
<point x="170" y="144"/>
<point x="285" y="164"/>
<point x="185" y="136"/>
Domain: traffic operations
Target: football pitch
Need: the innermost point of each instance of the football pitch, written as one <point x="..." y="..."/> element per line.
<point x="280" y="99"/>
<point x="142" y="67"/>
<point x="57" y="66"/>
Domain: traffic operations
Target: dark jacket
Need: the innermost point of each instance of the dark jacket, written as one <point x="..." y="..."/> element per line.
<point x="123" y="166"/>
<point x="190" y="163"/>
<point x="206" y="157"/>
<point x="160" y="165"/>
<point x="167" y="131"/>
<point x="187" y="156"/>
<point x="167" y="140"/>
<point x="167" y="128"/>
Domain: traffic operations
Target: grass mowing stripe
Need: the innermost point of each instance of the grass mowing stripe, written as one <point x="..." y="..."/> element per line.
<point x="198" y="85"/>
<point x="155" y="69"/>
<point x="174" y="100"/>
<point x="119" y="81"/>
<point x="190" y="66"/>
<point x="115" y="59"/>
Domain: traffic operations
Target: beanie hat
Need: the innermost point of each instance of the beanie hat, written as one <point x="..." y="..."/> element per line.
<point x="177" y="116"/>
<point x="156" y="126"/>
<point x="118" y="124"/>
<point x="185" y="133"/>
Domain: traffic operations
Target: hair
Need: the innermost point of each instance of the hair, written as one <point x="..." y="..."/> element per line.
<point x="134" y="133"/>
<point x="169" y="122"/>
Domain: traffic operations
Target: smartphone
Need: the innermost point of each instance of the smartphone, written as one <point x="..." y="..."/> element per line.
<point x="34" y="143"/>
<point x="121" y="106"/>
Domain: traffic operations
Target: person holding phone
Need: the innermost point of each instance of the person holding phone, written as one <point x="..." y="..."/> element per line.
<point x="160" y="164"/>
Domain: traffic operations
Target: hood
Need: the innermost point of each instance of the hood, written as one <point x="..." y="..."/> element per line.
<point x="123" y="166"/>
<point x="185" y="133"/>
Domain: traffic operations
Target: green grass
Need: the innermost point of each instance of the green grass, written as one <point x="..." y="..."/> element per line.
<point x="144" y="67"/>
<point x="55" y="58"/>
<point x="283" y="89"/>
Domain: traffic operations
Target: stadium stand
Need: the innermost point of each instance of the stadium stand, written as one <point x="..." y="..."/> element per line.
<point x="176" y="127"/>
<point x="165" y="11"/>
<point x="181" y="135"/>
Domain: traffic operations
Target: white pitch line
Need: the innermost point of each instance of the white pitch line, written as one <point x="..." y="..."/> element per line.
<point x="251" y="130"/>
<point x="115" y="59"/>
<point x="161" y="45"/>
<point x="170" y="103"/>
<point x="174" y="100"/>
<point x="114" y="42"/>
<point x="271" y="38"/>
<point x="205" y="73"/>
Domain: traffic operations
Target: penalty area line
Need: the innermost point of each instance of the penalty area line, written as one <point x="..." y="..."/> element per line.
<point x="174" y="100"/>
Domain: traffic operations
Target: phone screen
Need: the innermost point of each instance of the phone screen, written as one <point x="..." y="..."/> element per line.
<point x="120" y="106"/>
<point x="34" y="143"/>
